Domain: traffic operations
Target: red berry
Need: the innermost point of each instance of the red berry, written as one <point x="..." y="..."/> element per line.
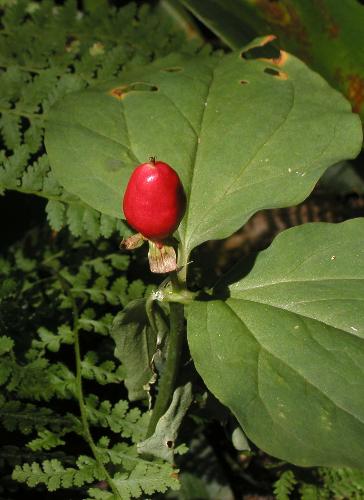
<point x="154" y="201"/>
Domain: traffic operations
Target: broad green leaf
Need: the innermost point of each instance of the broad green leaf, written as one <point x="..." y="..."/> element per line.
<point x="243" y="134"/>
<point x="285" y="351"/>
<point x="135" y="345"/>
<point x="327" y="34"/>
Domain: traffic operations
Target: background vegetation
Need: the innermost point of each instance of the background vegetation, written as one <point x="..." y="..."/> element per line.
<point x="63" y="279"/>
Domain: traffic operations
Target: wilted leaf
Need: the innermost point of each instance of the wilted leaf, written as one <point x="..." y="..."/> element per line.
<point x="135" y="345"/>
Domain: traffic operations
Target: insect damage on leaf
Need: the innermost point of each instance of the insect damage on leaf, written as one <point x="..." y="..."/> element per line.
<point x="175" y="69"/>
<point x="281" y="75"/>
<point x="122" y="91"/>
<point x="262" y="49"/>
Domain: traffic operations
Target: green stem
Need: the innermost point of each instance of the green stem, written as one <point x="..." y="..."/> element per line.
<point x="171" y="367"/>
<point x="182" y="264"/>
<point x="150" y="314"/>
<point x="79" y="391"/>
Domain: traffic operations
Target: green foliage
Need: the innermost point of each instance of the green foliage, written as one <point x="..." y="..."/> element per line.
<point x="145" y="477"/>
<point x="87" y="285"/>
<point x="46" y="440"/>
<point x="48" y="51"/>
<point x="104" y="373"/>
<point x="326" y="34"/>
<point x="284" y="486"/>
<point x="287" y="337"/>
<point x="325" y="484"/>
<point x="27" y="417"/>
<point x="285" y="350"/>
<point x="280" y="100"/>
<point x="342" y="483"/>
<point x="136" y="343"/>
<point x="6" y="344"/>
<point x="54" y="475"/>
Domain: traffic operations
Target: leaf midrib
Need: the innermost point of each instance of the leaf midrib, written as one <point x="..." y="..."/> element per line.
<point x="308" y="280"/>
<point x="297" y="313"/>
<point x="294" y="369"/>
<point x="198" y="132"/>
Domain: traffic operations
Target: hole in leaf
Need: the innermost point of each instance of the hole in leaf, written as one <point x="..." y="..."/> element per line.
<point x="123" y="90"/>
<point x="243" y="82"/>
<point x="271" y="71"/>
<point x="142" y="87"/>
<point x="276" y="73"/>
<point x="169" y="444"/>
<point x="174" y="69"/>
<point x="265" y="52"/>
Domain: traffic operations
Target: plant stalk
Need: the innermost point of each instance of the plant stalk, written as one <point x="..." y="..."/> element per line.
<point x="81" y="399"/>
<point x="175" y="345"/>
<point x="182" y="264"/>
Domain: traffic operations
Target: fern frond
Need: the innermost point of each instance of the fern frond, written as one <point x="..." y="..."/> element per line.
<point x="134" y="425"/>
<point x="75" y="219"/>
<point x="72" y="53"/>
<point x="119" y="262"/>
<point x="54" y="475"/>
<point x="131" y="424"/>
<point x="47" y="380"/>
<point x="52" y="341"/>
<point x="91" y="223"/>
<point x="6" y="344"/>
<point x="99" y="494"/>
<point x="33" y="178"/>
<point x="15" y="455"/>
<point x="33" y="136"/>
<point x="26" y="417"/>
<point x="56" y="211"/>
<point x="24" y="263"/>
<point x="33" y="376"/>
<point x="101" y="267"/>
<point x="46" y="440"/>
<point x="104" y="373"/>
<point x="5" y="267"/>
<point x="62" y="380"/>
<point x="10" y="130"/>
<point x="99" y="413"/>
<point x="284" y="486"/>
<point x="136" y="290"/>
<point x="343" y="482"/>
<point x="89" y="322"/>
<point x="146" y="478"/>
<point x="312" y="492"/>
<point x="12" y="167"/>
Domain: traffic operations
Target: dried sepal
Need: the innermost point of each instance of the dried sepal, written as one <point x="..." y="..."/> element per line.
<point x="133" y="242"/>
<point x="162" y="258"/>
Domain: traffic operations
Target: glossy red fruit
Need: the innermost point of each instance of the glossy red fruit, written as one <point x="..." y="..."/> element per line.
<point x="154" y="201"/>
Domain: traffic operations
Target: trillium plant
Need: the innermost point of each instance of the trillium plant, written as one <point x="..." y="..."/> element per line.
<point x="278" y="341"/>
